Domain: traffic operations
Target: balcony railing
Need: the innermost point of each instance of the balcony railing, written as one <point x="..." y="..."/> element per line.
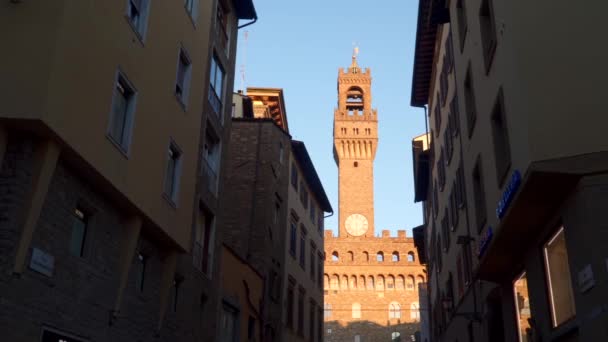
<point x="209" y="176"/>
<point x="216" y="104"/>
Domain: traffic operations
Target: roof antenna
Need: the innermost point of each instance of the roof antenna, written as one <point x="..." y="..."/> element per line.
<point x="242" y="68"/>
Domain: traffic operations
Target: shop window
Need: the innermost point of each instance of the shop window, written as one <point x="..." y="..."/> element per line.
<point x="559" y="282"/>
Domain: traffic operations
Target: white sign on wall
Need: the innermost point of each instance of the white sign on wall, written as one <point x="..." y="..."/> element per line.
<point x="585" y="279"/>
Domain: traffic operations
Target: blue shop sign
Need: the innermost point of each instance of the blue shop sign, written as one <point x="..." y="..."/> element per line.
<point x="485" y="241"/>
<point x="508" y="194"/>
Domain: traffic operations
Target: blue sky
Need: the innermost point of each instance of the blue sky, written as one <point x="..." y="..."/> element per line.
<point x="299" y="46"/>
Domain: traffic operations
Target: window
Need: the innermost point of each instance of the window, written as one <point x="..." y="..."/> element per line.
<point x="400" y="282"/>
<point x="204" y="238"/>
<point x="320" y="221"/>
<point x="281" y="152"/>
<point x="410" y="281"/>
<point x="461" y="14"/>
<point x="141" y="271"/>
<point x="301" y="295"/>
<point x="394" y="310"/>
<point x="479" y="196"/>
<point x="192" y="8"/>
<point x="500" y="135"/>
<point x="370" y="283"/>
<point x="228" y="324"/>
<point x="441" y="170"/>
<point x="415" y="311"/>
<point x="335" y="257"/>
<point x="559" y="281"/>
<point x="461" y="192"/>
<point x="454" y="116"/>
<point x="79" y="232"/>
<point x="356" y="310"/>
<point x="380" y="283"/>
<point x="172" y="175"/>
<point x="469" y="101"/>
<point x="437" y="112"/>
<point x="351" y="256"/>
<point x="522" y="307"/>
<point x="303" y="194"/>
<point x="395" y="256"/>
<point x="488" y="32"/>
<point x="210" y="164"/>
<point x="123" y="108"/>
<point x="292" y="238"/>
<point x="445" y="230"/>
<point x="312" y="262"/>
<point x="353" y="282"/>
<point x="221" y="28"/>
<point x="216" y="89"/>
<point x="390" y="282"/>
<point x="184" y="71"/>
<point x="177" y="281"/>
<point x="327" y="310"/>
<point x="366" y="256"/>
<point x="380" y="257"/>
<point x="311" y="321"/>
<point x="137" y="14"/>
<point x="294" y="176"/>
<point x="313" y="212"/>
<point x="410" y="256"/>
<point x="290" y="302"/>
<point x="303" y="249"/>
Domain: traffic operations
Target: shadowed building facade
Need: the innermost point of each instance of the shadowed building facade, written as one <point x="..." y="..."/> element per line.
<point x="370" y="282"/>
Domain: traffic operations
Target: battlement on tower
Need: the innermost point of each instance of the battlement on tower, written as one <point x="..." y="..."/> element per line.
<point x="357" y="115"/>
<point x="384" y="235"/>
<point x="360" y="71"/>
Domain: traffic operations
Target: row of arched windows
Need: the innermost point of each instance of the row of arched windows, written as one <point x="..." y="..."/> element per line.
<point x="411" y="257"/>
<point x="394" y="311"/>
<point x="370" y="282"/>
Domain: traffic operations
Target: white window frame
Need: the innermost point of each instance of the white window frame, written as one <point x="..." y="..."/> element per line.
<point x="183" y="61"/>
<point x="174" y="195"/>
<point x="191" y="7"/>
<point x="141" y="26"/>
<point x="123" y="144"/>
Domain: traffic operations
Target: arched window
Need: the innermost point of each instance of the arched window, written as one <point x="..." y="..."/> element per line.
<point x="334" y="256"/>
<point x="354" y="100"/>
<point x="335" y="282"/>
<point x="361" y="282"/>
<point x="415" y="311"/>
<point x="380" y="283"/>
<point x="370" y="282"/>
<point x="380" y="256"/>
<point x="409" y="284"/>
<point x="395" y="256"/>
<point x="400" y="283"/>
<point x="419" y="279"/>
<point x="327" y="310"/>
<point x="390" y="282"/>
<point x="351" y="256"/>
<point x="394" y="310"/>
<point x="410" y="256"/>
<point x="353" y="282"/>
<point x="344" y="282"/>
<point x="356" y="310"/>
<point x="365" y="256"/>
<point x="326" y="281"/>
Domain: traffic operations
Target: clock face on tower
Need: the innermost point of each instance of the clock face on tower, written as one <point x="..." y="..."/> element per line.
<point x="356" y="224"/>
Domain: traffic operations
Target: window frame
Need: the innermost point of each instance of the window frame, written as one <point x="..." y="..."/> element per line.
<point x="548" y="281"/>
<point x="140" y="27"/>
<point x="122" y="143"/>
<point x="173" y="195"/>
<point x="183" y="61"/>
<point x="80" y="216"/>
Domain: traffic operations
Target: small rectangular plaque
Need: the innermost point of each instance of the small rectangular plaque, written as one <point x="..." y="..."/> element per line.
<point x="585" y="279"/>
<point x="42" y="262"/>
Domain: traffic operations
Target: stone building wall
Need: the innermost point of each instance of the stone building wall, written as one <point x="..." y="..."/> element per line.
<point x="394" y="282"/>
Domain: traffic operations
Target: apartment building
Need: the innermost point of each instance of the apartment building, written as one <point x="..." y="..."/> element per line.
<point x="102" y="108"/>
<point x="304" y="257"/>
<point x="273" y="209"/>
<point x="514" y="178"/>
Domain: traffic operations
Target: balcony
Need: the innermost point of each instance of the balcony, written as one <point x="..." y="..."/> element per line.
<point x="209" y="177"/>
<point x="216" y="105"/>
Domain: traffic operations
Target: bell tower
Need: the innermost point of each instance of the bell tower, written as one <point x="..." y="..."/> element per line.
<point x="355" y="141"/>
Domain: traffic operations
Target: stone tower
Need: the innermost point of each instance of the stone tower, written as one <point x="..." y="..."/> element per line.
<point x="355" y="141"/>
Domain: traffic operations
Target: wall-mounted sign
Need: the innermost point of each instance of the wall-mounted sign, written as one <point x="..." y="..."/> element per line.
<point x="42" y="262"/>
<point x="485" y="241"/>
<point x="585" y="279"/>
<point x="508" y="194"/>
